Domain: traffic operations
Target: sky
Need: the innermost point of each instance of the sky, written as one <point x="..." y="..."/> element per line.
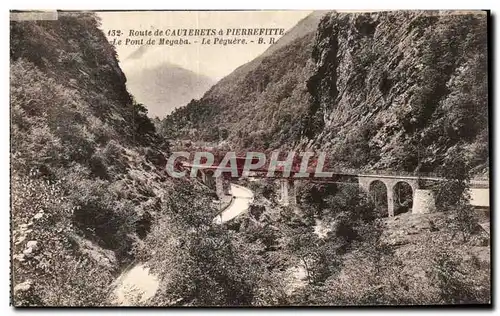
<point x="214" y="61"/>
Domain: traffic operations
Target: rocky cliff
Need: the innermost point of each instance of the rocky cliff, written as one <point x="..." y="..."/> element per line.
<point x="399" y="90"/>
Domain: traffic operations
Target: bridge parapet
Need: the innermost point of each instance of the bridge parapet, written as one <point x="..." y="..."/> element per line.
<point x="421" y="184"/>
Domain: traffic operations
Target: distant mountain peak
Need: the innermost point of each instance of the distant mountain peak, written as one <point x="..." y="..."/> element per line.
<point x="138" y="53"/>
<point x="165" y="87"/>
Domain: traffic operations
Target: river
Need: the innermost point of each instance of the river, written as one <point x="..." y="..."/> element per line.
<point x="137" y="285"/>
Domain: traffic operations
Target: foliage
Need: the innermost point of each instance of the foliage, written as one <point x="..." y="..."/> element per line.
<point x="80" y="185"/>
<point x="355" y="263"/>
<point x="201" y="263"/>
<point x="453" y="194"/>
<point x="58" y="271"/>
<point x="452" y="276"/>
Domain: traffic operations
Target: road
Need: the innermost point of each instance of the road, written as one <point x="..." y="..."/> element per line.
<point x="242" y="197"/>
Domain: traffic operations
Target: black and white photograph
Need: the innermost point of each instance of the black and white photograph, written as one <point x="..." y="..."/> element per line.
<point x="250" y="158"/>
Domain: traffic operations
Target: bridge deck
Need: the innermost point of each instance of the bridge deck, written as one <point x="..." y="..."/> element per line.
<point x="278" y="174"/>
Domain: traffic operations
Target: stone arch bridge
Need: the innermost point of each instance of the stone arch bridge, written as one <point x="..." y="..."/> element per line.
<point x="422" y="193"/>
<point x="423" y="196"/>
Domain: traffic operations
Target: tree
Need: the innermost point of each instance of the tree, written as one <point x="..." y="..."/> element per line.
<point x="203" y="263"/>
<point x="303" y="244"/>
<point x="453" y="194"/>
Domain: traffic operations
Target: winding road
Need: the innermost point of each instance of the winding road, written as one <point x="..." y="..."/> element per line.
<point x="137" y="284"/>
<point x="242" y="198"/>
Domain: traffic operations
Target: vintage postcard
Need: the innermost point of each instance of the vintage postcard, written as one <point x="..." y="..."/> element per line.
<point x="250" y="158"/>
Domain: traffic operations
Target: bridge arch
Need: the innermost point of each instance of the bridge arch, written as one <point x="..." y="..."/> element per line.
<point x="391" y="184"/>
<point x="403" y="193"/>
<point x="377" y="190"/>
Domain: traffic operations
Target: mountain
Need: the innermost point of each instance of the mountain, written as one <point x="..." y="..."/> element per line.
<point x="89" y="192"/>
<point x="163" y="87"/>
<point x="398" y="90"/>
<point x="86" y="163"/>
<point x="90" y="198"/>
<point x="304" y="27"/>
<point x="260" y="103"/>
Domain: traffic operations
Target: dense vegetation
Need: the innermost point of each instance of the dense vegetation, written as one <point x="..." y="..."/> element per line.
<point x="89" y="194"/>
<point x="85" y="162"/>
<point x="400" y="90"/>
<point x="333" y="248"/>
<point x="260" y="104"/>
<point x="350" y="255"/>
<point x="385" y="90"/>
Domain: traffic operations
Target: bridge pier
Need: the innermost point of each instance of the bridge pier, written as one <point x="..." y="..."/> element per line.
<point x="390" y="202"/>
<point x="209" y="179"/>
<point x="223" y="185"/>
<point x="292" y="195"/>
<point x="423" y="202"/>
<point x="287" y="192"/>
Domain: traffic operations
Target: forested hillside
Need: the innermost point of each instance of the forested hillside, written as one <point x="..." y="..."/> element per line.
<point x="400" y="90"/>
<point x="90" y="197"/>
<point x="260" y="104"/>
<point x="85" y="163"/>
<point x="383" y="90"/>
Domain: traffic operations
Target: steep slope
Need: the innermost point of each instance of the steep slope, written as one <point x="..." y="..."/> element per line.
<point x="164" y="87"/>
<point x="89" y="191"/>
<point x="400" y="90"/>
<point x="303" y="28"/>
<point x="86" y="163"/>
<point x="259" y="99"/>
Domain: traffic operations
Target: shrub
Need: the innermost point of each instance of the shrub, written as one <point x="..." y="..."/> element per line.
<point x="54" y="272"/>
<point x="460" y="281"/>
